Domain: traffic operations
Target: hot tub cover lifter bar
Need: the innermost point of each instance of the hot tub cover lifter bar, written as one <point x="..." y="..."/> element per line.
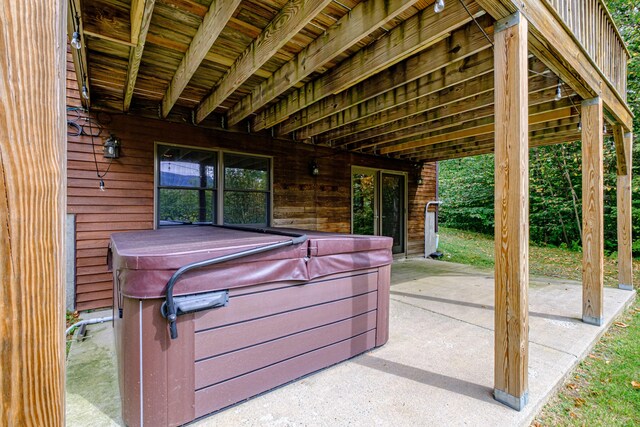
<point x="173" y="306"/>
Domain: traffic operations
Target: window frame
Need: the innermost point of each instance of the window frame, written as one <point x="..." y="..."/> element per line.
<point x="219" y="189"/>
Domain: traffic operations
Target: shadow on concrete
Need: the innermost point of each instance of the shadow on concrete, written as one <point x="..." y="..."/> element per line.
<point x="444" y="382"/>
<point x="485" y="307"/>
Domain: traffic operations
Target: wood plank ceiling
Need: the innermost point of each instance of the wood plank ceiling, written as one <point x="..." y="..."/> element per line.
<point x="384" y="77"/>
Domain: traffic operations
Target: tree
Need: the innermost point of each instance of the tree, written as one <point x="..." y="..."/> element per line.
<point x="466" y="185"/>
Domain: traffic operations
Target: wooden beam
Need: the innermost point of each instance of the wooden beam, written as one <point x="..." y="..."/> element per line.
<point x="293" y="17"/>
<point x="487" y="146"/>
<point x="385" y="107"/>
<point x="463" y="43"/>
<point x="592" y="212"/>
<point x="107" y="38"/>
<point x="136" y="16"/>
<point x="79" y="56"/>
<point x="553" y="44"/>
<point x="406" y="39"/>
<point x="458" y="105"/>
<point x="135" y="54"/>
<point x="625" y="225"/>
<point x="538" y="103"/>
<point x="621" y="151"/>
<point x="212" y="25"/>
<point x="511" y="213"/>
<point x="539" y="134"/>
<point x="467" y="130"/>
<point x="366" y="17"/>
<point x="32" y="211"/>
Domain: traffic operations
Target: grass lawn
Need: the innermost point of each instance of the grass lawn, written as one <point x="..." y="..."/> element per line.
<point x="604" y="390"/>
<point x="477" y="249"/>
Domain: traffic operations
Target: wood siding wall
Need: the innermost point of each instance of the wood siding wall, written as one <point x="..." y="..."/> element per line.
<point x="299" y="199"/>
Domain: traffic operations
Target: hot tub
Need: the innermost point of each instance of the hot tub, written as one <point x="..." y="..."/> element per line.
<point x="243" y="326"/>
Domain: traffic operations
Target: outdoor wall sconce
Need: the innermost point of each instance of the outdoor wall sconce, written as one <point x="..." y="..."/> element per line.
<point x="313" y="168"/>
<point x="417" y="173"/>
<point x="111" y="147"/>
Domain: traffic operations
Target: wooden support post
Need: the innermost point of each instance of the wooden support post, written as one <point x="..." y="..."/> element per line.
<point x="32" y="206"/>
<point x="592" y="212"/>
<point x="511" y="212"/>
<point x="625" y="256"/>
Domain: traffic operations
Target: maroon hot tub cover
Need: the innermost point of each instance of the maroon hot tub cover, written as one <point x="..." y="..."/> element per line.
<point x="291" y="311"/>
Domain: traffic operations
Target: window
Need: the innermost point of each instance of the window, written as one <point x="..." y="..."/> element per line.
<point x="188" y="189"/>
<point x="246" y="189"/>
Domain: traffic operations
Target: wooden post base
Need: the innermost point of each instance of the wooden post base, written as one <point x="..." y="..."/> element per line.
<point x="517" y="403"/>
<point x="591" y="320"/>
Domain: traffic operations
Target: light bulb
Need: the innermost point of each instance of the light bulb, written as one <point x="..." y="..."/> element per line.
<point x="438" y="6"/>
<point x="85" y="92"/>
<point x="580" y="124"/>
<point x="75" y="40"/>
<point x="101" y="185"/>
<point x="558" y="92"/>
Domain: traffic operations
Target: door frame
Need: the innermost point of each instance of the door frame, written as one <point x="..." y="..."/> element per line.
<point x="377" y="172"/>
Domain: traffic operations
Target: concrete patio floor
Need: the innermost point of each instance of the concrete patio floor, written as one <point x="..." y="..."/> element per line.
<point x="436" y="369"/>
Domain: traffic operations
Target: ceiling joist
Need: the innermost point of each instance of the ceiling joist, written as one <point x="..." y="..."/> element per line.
<point x="79" y="56"/>
<point x="468" y="97"/>
<point x="367" y="114"/>
<point x="294" y="16"/>
<point x="141" y="11"/>
<point x="478" y="146"/>
<point x="361" y="21"/>
<point x="467" y="131"/>
<point x="560" y="125"/>
<point x="410" y="37"/>
<point x="463" y="42"/>
<point x="212" y="25"/>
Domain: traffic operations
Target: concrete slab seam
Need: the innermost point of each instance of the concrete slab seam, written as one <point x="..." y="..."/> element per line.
<point x="443" y="315"/>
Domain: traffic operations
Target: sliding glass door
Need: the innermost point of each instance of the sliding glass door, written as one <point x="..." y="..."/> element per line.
<point x="379" y="205"/>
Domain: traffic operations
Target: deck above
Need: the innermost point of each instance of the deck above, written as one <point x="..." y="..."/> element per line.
<point x="389" y="78"/>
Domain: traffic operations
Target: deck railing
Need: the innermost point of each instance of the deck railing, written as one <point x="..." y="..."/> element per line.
<point x="592" y="26"/>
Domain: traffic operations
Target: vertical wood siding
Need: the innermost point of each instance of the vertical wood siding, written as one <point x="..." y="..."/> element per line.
<point x="299" y="199"/>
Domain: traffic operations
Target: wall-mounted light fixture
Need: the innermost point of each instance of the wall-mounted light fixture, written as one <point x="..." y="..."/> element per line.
<point x="314" y="170"/>
<point x="417" y="172"/>
<point x="111" y="147"/>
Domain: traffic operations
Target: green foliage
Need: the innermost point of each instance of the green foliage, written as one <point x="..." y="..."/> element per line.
<point x="185" y="205"/>
<point x="466" y="188"/>
<point x="466" y="247"/>
<point x="555" y="188"/>
<point x="555" y="196"/>
<point x="363" y="203"/>
<point x="626" y="13"/>
<point x="604" y="390"/>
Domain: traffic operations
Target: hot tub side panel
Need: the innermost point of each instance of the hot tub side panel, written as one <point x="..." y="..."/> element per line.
<point x="266" y="336"/>
<point x="156" y="373"/>
<point x="384" y="288"/>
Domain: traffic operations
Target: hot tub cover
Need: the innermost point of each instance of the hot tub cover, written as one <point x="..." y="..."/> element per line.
<point x="145" y="260"/>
